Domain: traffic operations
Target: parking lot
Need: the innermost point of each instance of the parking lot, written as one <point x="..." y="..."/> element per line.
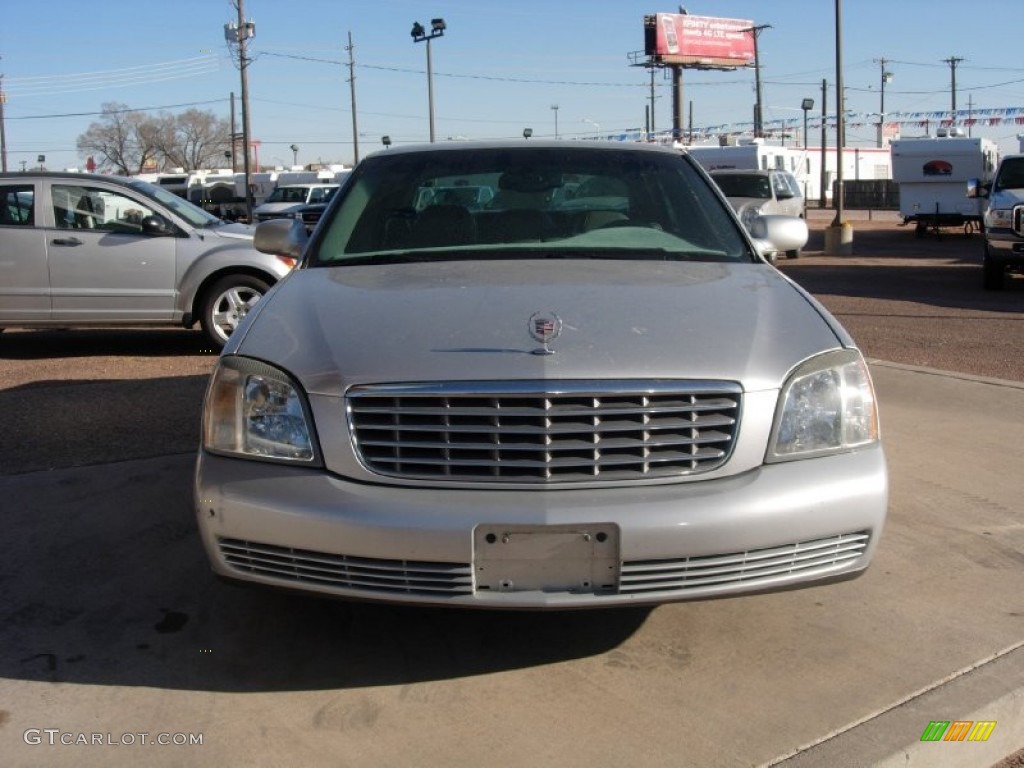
<point x="111" y="623"/>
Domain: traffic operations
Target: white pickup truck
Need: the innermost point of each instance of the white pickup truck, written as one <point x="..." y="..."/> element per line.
<point x="1003" y="220"/>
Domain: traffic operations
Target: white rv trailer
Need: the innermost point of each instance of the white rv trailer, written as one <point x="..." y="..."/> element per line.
<point x="932" y="174"/>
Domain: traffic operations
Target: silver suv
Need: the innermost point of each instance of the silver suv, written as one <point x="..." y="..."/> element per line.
<point x="84" y="250"/>
<point x="753" y="193"/>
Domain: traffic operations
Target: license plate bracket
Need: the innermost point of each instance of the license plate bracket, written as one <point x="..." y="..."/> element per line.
<point x="577" y="559"/>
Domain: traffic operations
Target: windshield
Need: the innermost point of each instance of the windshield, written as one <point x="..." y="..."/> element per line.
<point x="288" y="195"/>
<point x="1011" y="174"/>
<point x="193" y="214"/>
<point x="754" y="185"/>
<point x="523" y="202"/>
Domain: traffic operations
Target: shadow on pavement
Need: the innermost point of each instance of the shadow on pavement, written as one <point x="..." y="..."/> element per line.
<point x="71" y="422"/>
<point x="104" y="582"/>
<point x="927" y="284"/>
<point x="89" y="342"/>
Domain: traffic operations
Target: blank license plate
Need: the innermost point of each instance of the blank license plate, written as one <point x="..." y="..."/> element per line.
<point x="552" y="558"/>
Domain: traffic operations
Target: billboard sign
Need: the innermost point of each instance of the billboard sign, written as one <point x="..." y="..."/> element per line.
<point x="705" y="42"/>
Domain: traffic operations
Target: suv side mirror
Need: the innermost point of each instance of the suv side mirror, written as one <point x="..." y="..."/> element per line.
<point x="976" y="189"/>
<point x="281" y="237"/>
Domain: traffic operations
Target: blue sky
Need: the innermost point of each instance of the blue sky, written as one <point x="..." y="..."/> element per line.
<point x="499" y="68"/>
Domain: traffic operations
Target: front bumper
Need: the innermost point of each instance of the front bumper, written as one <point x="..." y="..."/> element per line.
<point x="1004" y="246"/>
<point x="779" y="526"/>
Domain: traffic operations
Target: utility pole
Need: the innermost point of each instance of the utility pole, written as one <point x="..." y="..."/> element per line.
<point x="824" y="140"/>
<point x="840" y="115"/>
<point x="3" y="131"/>
<point x="352" y="88"/>
<point x="234" y="137"/>
<point x="677" y="103"/>
<point x="953" y="61"/>
<point x="238" y="34"/>
<point x="886" y="78"/>
<point x="758" y="116"/>
<point x="652" y="128"/>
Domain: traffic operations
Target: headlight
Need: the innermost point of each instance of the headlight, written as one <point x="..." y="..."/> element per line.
<point x="748" y="214"/>
<point x="999" y="217"/>
<point x="826" y="406"/>
<point x="255" y="410"/>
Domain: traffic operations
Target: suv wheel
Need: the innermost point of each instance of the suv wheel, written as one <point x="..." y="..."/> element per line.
<point x="993" y="274"/>
<point x="226" y="303"/>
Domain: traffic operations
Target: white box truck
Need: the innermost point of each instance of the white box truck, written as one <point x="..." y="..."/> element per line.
<point x="932" y="174"/>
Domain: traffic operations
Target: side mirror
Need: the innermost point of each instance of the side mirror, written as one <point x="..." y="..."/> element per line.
<point x="281" y="237"/>
<point x="156" y="226"/>
<point x="784" y="233"/>
<point x="976" y="189"/>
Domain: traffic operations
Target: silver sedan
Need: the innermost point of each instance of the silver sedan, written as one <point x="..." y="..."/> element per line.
<point x="586" y="387"/>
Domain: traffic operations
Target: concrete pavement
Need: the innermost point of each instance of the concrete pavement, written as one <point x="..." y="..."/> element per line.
<point x="111" y="624"/>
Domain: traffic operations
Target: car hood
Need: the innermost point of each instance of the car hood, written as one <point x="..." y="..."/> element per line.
<point x="739" y="203"/>
<point x="233" y="231"/>
<point x="1006" y="198"/>
<point x="277" y="208"/>
<point x="334" y="327"/>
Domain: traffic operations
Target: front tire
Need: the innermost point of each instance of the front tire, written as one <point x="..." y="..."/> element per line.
<point x="226" y="303"/>
<point x="993" y="274"/>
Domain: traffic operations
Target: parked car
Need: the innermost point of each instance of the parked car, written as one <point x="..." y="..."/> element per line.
<point x="304" y="202"/>
<point x="1003" y="221"/>
<point x="79" y="249"/>
<point x="754" y="193"/>
<point x="603" y="398"/>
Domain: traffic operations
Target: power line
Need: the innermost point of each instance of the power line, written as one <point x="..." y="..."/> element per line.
<point x="114" y="111"/>
<point x="74" y="83"/>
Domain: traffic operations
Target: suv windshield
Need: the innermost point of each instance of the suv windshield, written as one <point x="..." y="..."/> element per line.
<point x="476" y="202"/>
<point x="756" y="185"/>
<point x="288" y="195"/>
<point x="1011" y="174"/>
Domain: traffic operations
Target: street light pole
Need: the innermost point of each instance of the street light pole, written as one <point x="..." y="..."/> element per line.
<point x="419" y="35"/>
<point x="806" y="105"/>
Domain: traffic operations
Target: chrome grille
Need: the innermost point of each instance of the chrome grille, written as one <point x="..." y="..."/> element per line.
<point x="540" y="432"/>
<point x="1018" y="219"/>
<point x="682" y="574"/>
<point x="406" y="577"/>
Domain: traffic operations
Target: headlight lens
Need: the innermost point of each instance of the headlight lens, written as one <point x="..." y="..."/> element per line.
<point x="826" y="406"/>
<point x="748" y="214"/>
<point x="999" y="217"/>
<point x="255" y="410"/>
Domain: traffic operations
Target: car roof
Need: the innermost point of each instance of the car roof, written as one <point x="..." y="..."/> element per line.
<point x="67" y="175"/>
<point x="527" y="144"/>
<point x="749" y="171"/>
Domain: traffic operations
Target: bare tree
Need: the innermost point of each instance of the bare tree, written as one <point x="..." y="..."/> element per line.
<point x="194" y="139"/>
<point x="121" y="140"/>
<point x="127" y="141"/>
